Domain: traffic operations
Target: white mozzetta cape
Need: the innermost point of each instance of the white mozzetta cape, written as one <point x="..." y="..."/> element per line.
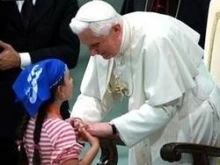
<point x="168" y="85"/>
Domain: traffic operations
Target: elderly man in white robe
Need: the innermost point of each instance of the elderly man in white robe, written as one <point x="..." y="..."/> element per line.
<point x="156" y="62"/>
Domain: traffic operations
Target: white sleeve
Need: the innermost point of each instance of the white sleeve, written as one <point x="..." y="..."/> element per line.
<point x="89" y="109"/>
<point x="137" y="124"/>
<point x="88" y="105"/>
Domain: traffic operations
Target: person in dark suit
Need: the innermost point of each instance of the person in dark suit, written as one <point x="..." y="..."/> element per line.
<point x="192" y="12"/>
<point x="46" y="36"/>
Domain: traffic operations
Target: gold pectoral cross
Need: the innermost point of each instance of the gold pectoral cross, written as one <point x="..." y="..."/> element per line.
<point x="117" y="88"/>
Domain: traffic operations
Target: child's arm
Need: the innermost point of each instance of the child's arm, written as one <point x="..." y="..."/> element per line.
<point x="90" y="155"/>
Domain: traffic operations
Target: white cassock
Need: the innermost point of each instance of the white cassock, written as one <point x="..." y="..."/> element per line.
<point x="171" y="95"/>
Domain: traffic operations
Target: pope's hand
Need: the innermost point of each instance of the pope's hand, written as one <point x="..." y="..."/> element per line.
<point x="99" y="129"/>
<point x="9" y="58"/>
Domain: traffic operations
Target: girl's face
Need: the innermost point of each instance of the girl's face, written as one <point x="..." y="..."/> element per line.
<point x="66" y="88"/>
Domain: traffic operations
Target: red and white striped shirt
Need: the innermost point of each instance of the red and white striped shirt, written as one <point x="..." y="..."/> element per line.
<point x="57" y="142"/>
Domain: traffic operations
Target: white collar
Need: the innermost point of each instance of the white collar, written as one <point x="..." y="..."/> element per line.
<point x="20" y="4"/>
<point x="126" y="37"/>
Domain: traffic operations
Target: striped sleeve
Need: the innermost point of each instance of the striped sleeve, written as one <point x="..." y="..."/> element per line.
<point x="63" y="139"/>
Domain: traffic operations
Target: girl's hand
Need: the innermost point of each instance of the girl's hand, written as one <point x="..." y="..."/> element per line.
<point x="76" y="123"/>
<point x="88" y="137"/>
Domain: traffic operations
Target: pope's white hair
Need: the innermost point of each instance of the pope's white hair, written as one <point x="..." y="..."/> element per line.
<point x="98" y="28"/>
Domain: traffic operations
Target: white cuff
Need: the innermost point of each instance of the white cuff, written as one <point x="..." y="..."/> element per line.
<point x="25" y="59"/>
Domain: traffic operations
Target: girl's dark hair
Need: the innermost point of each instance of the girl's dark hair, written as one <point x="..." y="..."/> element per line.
<point x="37" y="132"/>
<point x="23" y="160"/>
<point x="22" y="157"/>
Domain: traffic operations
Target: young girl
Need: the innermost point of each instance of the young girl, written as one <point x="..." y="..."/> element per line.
<point x="44" y="138"/>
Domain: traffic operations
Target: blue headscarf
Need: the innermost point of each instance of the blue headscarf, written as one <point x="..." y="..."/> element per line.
<point x="33" y="85"/>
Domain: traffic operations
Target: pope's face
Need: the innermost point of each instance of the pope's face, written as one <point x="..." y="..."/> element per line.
<point x="106" y="45"/>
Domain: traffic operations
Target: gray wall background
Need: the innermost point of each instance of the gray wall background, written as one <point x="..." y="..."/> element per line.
<point x="77" y="74"/>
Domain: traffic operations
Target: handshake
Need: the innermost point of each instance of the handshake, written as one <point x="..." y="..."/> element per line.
<point x="95" y="129"/>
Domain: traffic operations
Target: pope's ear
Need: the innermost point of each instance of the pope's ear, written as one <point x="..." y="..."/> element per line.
<point x="117" y="28"/>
